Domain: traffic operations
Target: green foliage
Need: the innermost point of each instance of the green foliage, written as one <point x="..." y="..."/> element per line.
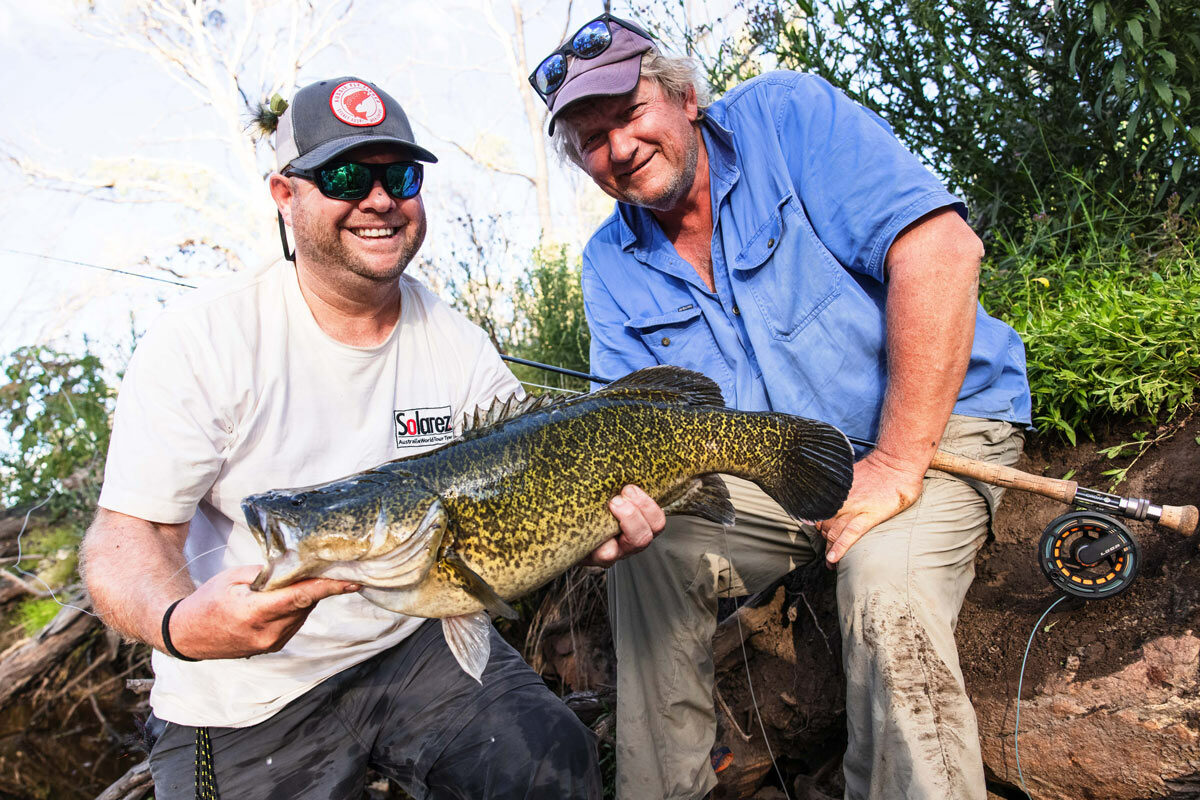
<point x="1070" y="128"/>
<point x="999" y="95"/>
<point x="34" y="613"/>
<point x="55" y="409"/>
<point x="56" y="551"/>
<point x="1109" y="326"/>
<point x="50" y="540"/>
<point x="551" y="302"/>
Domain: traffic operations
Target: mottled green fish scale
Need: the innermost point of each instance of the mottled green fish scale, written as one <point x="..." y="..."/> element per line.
<point x="546" y="505"/>
<point x="526" y="498"/>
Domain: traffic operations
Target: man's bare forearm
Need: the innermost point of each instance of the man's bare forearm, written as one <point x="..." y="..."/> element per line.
<point x="933" y="274"/>
<point x="933" y="278"/>
<point x="133" y="570"/>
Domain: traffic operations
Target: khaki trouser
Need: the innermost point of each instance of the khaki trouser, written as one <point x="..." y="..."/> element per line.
<point x="912" y="731"/>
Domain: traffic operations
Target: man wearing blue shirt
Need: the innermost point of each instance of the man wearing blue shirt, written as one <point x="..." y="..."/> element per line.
<point x="781" y="241"/>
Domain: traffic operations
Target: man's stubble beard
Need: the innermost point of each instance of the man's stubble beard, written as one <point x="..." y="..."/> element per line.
<point x="677" y="188"/>
<point x="319" y="245"/>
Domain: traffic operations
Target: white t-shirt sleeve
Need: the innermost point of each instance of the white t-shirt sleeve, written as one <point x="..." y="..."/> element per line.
<point x="169" y="433"/>
<point x="490" y="377"/>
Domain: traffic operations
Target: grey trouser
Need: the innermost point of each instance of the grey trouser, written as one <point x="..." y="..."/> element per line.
<point x="415" y="716"/>
<point x="912" y="731"/>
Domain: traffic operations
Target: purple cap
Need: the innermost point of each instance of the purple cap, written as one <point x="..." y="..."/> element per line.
<point x="613" y="72"/>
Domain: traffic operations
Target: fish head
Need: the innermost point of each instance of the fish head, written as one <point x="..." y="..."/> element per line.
<point x="381" y="529"/>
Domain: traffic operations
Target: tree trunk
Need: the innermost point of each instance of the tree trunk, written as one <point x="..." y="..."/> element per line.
<point x="37" y="656"/>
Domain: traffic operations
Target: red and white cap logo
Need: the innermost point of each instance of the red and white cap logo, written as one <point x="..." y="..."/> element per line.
<point x="355" y="103"/>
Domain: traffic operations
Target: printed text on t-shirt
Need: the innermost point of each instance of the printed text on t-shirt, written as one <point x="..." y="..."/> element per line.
<point x="421" y="427"/>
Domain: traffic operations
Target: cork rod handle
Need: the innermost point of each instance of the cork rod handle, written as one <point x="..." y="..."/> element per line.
<point x="1000" y="475"/>
<point x="1181" y="519"/>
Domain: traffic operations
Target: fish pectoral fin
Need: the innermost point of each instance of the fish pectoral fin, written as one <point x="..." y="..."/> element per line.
<point x="397" y="600"/>
<point x="705" y="497"/>
<point x="468" y="637"/>
<point x="477" y="587"/>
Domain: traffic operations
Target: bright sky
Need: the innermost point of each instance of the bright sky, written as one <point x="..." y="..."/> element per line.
<point x="84" y="108"/>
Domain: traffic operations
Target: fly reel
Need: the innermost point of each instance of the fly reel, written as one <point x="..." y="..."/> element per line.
<point x="1088" y="554"/>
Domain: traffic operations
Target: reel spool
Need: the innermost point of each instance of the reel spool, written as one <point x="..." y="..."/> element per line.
<point x="1088" y="554"/>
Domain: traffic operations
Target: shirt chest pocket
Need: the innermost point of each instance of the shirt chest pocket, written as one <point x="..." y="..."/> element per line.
<point x="788" y="271"/>
<point x="681" y="338"/>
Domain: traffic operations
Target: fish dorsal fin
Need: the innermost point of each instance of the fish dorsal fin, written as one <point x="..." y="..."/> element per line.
<point x="681" y="385"/>
<point x="502" y="409"/>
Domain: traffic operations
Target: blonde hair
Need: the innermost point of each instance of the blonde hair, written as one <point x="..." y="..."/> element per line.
<point x="674" y="75"/>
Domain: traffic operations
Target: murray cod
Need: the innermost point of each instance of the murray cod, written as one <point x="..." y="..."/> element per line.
<point x="522" y="496"/>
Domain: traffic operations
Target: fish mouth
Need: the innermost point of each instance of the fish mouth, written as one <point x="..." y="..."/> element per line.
<point x="261" y="526"/>
<point x="284" y="569"/>
<point x="273" y="534"/>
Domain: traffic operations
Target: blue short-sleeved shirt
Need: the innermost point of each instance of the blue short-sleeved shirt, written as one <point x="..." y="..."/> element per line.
<point x="809" y="189"/>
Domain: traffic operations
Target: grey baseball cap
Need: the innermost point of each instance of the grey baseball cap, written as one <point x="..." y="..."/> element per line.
<point x="613" y="72"/>
<point x="327" y="118"/>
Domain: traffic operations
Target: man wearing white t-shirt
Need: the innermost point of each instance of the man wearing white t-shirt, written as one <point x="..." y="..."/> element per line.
<point x="295" y="376"/>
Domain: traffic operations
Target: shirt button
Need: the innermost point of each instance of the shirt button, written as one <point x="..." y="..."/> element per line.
<point x="666" y="341"/>
<point x="770" y="242"/>
<point x="736" y="310"/>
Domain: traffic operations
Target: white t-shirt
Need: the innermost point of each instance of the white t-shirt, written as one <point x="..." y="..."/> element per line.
<point x="237" y="390"/>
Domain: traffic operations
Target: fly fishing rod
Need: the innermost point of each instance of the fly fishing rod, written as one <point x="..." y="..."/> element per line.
<point x="1085" y="553"/>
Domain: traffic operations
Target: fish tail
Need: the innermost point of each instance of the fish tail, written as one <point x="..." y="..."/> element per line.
<point x="805" y="465"/>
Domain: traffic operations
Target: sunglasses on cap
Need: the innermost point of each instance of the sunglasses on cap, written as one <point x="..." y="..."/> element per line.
<point x="588" y="42"/>
<point x="351" y="180"/>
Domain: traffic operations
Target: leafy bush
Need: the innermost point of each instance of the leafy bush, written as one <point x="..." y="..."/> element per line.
<point x="1109" y="327"/>
<point x="1000" y="95"/>
<point x="55" y="409"/>
<point x="551" y="303"/>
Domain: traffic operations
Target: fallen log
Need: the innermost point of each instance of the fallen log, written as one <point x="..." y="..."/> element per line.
<point x="15" y="520"/>
<point x="133" y="785"/>
<point x="32" y="658"/>
<point x="1145" y="712"/>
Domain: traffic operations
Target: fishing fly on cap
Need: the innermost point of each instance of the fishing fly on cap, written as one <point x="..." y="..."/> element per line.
<point x="266" y="116"/>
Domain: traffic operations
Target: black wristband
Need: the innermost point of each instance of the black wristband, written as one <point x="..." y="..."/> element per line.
<point x="166" y="634"/>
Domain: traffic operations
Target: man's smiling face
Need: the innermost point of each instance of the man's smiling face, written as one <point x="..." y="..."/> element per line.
<point x="374" y="238"/>
<point x="640" y="148"/>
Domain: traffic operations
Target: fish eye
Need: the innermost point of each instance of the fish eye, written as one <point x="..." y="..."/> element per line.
<point x="298" y="501"/>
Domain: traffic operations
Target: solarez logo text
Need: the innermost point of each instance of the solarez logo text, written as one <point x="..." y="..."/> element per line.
<point x="421" y="427"/>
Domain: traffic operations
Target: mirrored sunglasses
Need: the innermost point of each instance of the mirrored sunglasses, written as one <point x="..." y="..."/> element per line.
<point x="588" y="42"/>
<point x="351" y="180"/>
